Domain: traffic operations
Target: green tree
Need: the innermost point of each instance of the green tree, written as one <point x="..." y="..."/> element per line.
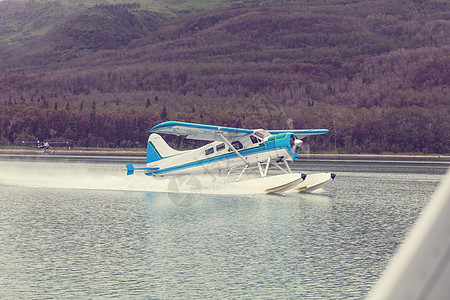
<point x="164" y="113"/>
<point x="71" y="132"/>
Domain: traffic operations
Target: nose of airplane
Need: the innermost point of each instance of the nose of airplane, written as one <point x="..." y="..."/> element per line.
<point x="295" y="143"/>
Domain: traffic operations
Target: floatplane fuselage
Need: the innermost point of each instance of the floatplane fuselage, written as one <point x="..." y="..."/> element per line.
<point x="44" y="146"/>
<point x="231" y="149"/>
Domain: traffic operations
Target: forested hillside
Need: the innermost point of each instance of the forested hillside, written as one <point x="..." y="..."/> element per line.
<point x="376" y="73"/>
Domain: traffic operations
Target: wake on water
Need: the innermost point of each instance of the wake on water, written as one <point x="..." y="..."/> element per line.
<point x="113" y="177"/>
<point x="101" y="177"/>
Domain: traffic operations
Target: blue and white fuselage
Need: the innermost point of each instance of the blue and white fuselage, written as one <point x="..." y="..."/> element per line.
<point x="229" y="149"/>
<point x="218" y="156"/>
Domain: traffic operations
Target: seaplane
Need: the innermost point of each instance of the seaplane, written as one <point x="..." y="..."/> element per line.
<point x="239" y="156"/>
<point x="44" y="146"/>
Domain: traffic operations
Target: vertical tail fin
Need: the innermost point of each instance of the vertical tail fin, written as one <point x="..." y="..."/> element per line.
<point x="152" y="153"/>
<point x="158" y="149"/>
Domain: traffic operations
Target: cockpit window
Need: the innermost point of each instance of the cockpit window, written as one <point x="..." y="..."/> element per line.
<point x="261" y="133"/>
<point x="254" y="139"/>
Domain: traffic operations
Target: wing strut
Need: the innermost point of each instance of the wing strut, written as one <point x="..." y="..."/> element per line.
<point x="231" y="147"/>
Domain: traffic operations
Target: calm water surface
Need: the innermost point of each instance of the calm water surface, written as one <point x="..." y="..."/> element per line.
<point x="77" y="227"/>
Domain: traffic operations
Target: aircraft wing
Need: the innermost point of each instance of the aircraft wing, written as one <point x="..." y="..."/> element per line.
<point x="200" y="131"/>
<point x="300" y="133"/>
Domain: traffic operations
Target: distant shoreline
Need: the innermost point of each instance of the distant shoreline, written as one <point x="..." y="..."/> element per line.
<point x="75" y="152"/>
<point x="436" y="157"/>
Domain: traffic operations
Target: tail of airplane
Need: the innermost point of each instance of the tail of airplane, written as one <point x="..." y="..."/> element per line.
<point x="158" y="149"/>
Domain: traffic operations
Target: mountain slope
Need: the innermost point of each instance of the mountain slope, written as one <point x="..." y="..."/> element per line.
<point x="374" y="72"/>
<point x="62" y="38"/>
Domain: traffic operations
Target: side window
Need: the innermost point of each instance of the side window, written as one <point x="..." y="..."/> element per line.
<point x="209" y="151"/>
<point x="237" y="145"/>
<point x="220" y="147"/>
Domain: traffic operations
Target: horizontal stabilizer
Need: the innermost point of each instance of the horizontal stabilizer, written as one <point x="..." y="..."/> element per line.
<point x="130" y="169"/>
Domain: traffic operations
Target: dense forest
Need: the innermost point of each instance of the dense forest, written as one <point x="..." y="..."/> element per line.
<point x="375" y="73"/>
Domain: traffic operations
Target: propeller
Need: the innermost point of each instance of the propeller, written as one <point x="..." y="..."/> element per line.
<point x="290" y="124"/>
<point x="295" y="143"/>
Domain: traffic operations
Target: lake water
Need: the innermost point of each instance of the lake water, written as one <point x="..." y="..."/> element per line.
<point x="78" y="227"/>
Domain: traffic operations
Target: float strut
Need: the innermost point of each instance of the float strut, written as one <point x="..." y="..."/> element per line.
<point x="261" y="172"/>
<point x="287" y="166"/>
<point x="242" y="173"/>
<point x="267" y="166"/>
